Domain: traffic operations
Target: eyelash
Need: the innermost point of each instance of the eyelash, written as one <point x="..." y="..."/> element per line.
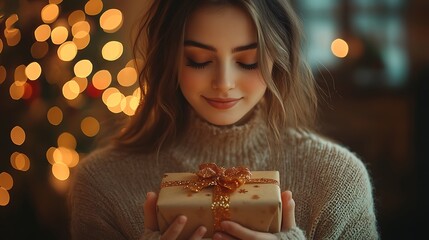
<point x="197" y="65"/>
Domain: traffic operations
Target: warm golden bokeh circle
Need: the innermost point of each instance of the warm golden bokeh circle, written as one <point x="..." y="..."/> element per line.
<point x="55" y="116"/>
<point x="83" y="68"/>
<point x="17" y="135"/>
<point x="90" y="126"/>
<point x="102" y="79"/>
<point x="6" y="181"/>
<point x="33" y="71"/>
<point x="50" y="13"/>
<point x="111" y="20"/>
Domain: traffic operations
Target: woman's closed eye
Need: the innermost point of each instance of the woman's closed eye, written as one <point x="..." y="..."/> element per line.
<point x="197" y="65"/>
<point x="248" y="66"/>
<point x="202" y="65"/>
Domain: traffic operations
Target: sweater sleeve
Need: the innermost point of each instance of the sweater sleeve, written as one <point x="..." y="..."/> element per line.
<point x="91" y="212"/>
<point x="349" y="212"/>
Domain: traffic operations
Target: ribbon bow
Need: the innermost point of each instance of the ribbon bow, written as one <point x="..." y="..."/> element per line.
<point x="210" y="174"/>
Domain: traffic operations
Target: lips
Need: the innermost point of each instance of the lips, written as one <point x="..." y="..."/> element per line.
<point x="222" y="103"/>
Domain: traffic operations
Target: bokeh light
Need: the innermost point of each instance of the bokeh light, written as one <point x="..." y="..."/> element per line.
<point x="71" y="90"/>
<point x="67" y="51"/>
<point x="60" y="171"/>
<point x="111" y="20"/>
<point x="2" y="74"/>
<point x="16" y="91"/>
<point x="1" y="45"/>
<point x="20" y="76"/>
<point x="42" y="32"/>
<point x="55" y="116"/>
<point x="59" y="35"/>
<point x="13" y="36"/>
<point x="4" y="197"/>
<point x="127" y="76"/>
<point x="82" y="82"/>
<point x="20" y="161"/>
<point x="93" y="7"/>
<point x="81" y="29"/>
<point x="6" y="181"/>
<point x="50" y="13"/>
<point x="33" y="71"/>
<point x="17" y="135"/>
<point x="11" y="20"/>
<point x="90" y="126"/>
<point x="76" y="16"/>
<point x="112" y="50"/>
<point x="340" y="48"/>
<point x="83" y="68"/>
<point x="65" y="155"/>
<point x="82" y="42"/>
<point x="102" y="79"/>
<point x="67" y="140"/>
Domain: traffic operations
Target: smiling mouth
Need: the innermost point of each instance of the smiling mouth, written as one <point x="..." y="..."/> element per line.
<point x="222" y="103"/>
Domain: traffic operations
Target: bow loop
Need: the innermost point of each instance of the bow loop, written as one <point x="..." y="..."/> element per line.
<point x="210" y="174"/>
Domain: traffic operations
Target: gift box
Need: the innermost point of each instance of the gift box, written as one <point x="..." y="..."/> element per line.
<point x="214" y="194"/>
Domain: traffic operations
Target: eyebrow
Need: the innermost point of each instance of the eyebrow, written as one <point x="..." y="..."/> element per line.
<point x="211" y="48"/>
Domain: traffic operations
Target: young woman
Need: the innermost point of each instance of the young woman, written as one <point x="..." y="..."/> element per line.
<point x="223" y="81"/>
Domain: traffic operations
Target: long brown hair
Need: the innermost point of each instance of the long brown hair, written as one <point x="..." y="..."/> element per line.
<point x="162" y="115"/>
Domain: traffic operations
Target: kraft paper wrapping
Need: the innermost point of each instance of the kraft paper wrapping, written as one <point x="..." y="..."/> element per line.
<point x="255" y="206"/>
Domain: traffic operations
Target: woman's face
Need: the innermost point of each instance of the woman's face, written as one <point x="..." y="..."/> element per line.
<point x="219" y="73"/>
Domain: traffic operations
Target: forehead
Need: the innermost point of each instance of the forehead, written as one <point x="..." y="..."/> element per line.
<point x="221" y="24"/>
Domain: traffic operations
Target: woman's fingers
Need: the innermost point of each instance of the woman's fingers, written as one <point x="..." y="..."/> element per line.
<point x="199" y="233"/>
<point x="288" y="211"/>
<point x="149" y="208"/>
<point x="233" y="230"/>
<point x="175" y="228"/>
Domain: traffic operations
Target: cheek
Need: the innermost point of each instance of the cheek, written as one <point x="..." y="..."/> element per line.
<point x="187" y="80"/>
<point x="253" y="84"/>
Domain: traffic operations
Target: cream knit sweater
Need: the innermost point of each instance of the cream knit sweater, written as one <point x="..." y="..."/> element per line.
<point x="330" y="185"/>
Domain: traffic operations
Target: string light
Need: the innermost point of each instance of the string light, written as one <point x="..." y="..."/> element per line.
<point x="69" y="33"/>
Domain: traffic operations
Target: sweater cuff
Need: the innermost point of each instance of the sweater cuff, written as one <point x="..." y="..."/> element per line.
<point x="294" y="233"/>
<point x="150" y="235"/>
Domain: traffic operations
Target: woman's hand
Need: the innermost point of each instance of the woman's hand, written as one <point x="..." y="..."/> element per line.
<point x="234" y="230"/>
<point x="173" y="231"/>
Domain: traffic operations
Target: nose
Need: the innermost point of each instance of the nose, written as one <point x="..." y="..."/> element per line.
<point x="224" y="79"/>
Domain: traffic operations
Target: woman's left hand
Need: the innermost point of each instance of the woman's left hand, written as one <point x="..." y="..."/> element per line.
<point x="233" y="230"/>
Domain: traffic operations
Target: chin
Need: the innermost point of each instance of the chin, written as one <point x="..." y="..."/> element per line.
<point x="222" y="121"/>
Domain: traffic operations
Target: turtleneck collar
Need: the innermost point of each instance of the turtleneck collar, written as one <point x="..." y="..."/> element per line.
<point x="242" y="145"/>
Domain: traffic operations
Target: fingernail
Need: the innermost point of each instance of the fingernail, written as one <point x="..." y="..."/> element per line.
<point x="182" y="219"/>
<point x="202" y="230"/>
<point x="217" y="236"/>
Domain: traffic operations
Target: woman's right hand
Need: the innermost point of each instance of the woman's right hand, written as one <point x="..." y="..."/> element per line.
<point x="173" y="231"/>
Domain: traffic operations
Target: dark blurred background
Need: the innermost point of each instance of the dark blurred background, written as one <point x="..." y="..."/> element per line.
<point x="67" y="74"/>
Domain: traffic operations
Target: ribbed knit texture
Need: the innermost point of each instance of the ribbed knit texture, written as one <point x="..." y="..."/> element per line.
<point x="330" y="185"/>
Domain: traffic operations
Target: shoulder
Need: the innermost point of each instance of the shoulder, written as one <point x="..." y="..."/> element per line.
<point x="331" y="163"/>
<point x="322" y="150"/>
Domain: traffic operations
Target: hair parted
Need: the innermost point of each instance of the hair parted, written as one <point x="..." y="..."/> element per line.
<point x="162" y="115"/>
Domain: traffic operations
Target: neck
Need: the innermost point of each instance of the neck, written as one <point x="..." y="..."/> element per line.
<point x="239" y="144"/>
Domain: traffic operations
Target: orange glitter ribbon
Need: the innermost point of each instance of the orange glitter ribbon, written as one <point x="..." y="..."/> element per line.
<point x="225" y="181"/>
